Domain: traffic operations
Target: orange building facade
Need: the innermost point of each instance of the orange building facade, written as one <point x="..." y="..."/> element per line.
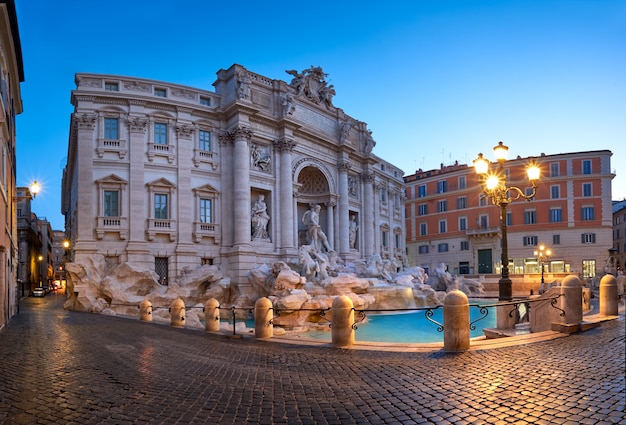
<point x="450" y="221"/>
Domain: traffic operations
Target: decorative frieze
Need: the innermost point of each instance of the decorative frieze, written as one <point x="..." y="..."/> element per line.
<point x="137" y="124"/>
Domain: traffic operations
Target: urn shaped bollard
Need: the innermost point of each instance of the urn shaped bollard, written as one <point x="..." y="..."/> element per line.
<point x="212" y="315"/>
<point x="608" y="296"/>
<point x="456" y="321"/>
<point x="263" y="315"/>
<point x="177" y="313"/>
<point x="145" y="311"/>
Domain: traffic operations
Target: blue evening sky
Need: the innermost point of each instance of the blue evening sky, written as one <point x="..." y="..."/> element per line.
<point x="436" y="81"/>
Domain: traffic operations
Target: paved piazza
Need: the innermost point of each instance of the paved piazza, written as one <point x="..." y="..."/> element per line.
<point x="63" y="367"/>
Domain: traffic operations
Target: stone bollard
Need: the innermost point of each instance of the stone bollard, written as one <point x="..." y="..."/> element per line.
<point x="177" y="313"/>
<point x="145" y="311"/>
<point x="608" y="296"/>
<point x="572" y="304"/>
<point x="456" y="321"/>
<point x="343" y="319"/>
<point x="263" y="315"/>
<point x="212" y="315"/>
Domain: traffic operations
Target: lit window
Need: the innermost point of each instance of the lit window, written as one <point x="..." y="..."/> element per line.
<point x="160" y="133"/>
<point x="111" y="129"/>
<point x="205" y="140"/>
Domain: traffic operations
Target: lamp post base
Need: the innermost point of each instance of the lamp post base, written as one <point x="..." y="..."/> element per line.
<point x="505" y="289"/>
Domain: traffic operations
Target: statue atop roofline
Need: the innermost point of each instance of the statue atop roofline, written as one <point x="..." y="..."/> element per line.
<point x="311" y="84"/>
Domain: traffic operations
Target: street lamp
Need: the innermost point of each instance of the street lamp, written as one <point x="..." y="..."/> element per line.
<point x="494" y="186"/>
<point x="543" y="254"/>
<point x="35" y="188"/>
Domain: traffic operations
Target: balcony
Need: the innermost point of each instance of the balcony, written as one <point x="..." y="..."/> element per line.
<point x="158" y="226"/>
<point x="204" y="157"/>
<point x="112" y="225"/>
<point x="110" y="145"/>
<point x="206" y="230"/>
<point x="158" y="149"/>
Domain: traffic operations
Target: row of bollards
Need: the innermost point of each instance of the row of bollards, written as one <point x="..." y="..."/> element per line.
<point x="456" y="313"/>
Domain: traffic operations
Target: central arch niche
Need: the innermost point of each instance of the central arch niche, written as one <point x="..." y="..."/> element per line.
<point x="313" y="189"/>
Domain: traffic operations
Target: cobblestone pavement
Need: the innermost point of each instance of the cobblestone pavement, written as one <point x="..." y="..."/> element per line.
<point x="61" y="367"/>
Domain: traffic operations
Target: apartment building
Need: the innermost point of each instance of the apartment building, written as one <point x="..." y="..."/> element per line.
<point x="11" y="75"/>
<point x="449" y="220"/>
<point x="168" y="177"/>
<point x="619" y="235"/>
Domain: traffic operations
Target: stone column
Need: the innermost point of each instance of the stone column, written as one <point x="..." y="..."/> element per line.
<point x="330" y="219"/>
<point x="344" y="219"/>
<point x="368" y="214"/>
<point x="241" y="136"/>
<point x="285" y="230"/>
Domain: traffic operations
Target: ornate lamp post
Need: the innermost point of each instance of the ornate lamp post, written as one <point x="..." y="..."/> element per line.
<point x="493" y="183"/>
<point x="35" y="188"/>
<point x="543" y="254"/>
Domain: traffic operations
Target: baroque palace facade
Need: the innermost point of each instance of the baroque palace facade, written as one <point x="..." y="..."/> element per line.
<point x="450" y="221"/>
<point x="170" y="177"/>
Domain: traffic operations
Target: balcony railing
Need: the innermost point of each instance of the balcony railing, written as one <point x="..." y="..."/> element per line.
<point x="204" y="157"/>
<point x="111" y="145"/>
<point x="158" y="226"/>
<point x="112" y="225"/>
<point x="158" y="149"/>
<point x="206" y="230"/>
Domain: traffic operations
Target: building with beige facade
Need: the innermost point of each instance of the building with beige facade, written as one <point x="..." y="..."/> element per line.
<point x="11" y="75"/>
<point x="168" y="177"/>
<point x="450" y="221"/>
<point x="619" y="236"/>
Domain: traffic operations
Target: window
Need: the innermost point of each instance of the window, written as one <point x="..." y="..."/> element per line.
<point x="462" y="183"/>
<point x="443" y="226"/>
<point x="423" y="229"/>
<point x="587" y="213"/>
<point x="530" y="217"/>
<point x="422" y="249"/>
<point x="382" y="167"/>
<point x="462" y="223"/>
<point x="588" y="238"/>
<point x="206" y="261"/>
<point x="160" y="206"/>
<point x="556" y="239"/>
<point x="442" y="186"/>
<point x="530" y="240"/>
<point x="111" y="129"/>
<point x="529" y="192"/>
<point x="206" y="101"/>
<point x="160" y="133"/>
<point x="483" y="200"/>
<point x="160" y="92"/>
<point x="461" y="203"/>
<point x="589" y="268"/>
<point x="442" y="247"/>
<point x="483" y="221"/>
<point x="587" y="189"/>
<point x="554" y="169"/>
<point x="464" y="245"/>
<point x="397" y="240"/>
<point x="385" y="237"/>
<point x="111" y="203"/>
<point x="556" y="215"/>
<point x="383" y="195"/>
<point x="442" y="206"/>
<point x="206" y="211"/>
<point x="111" y="86"/>
<point x="421" y="191"/>
<point x="161" y="268"/>
<point x="586" y="166"/>
<point x="204" y="138"/>
<point x="422" y="209"/>
<point x="509" y="218"/>
<point x="555" y="192"/>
